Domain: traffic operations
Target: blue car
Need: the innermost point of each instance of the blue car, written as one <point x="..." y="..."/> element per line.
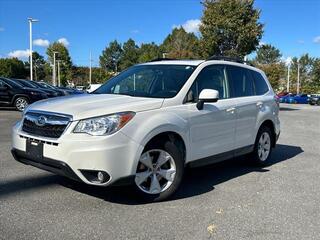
<point x="300" y="98"/>
<point x="284" y="99"/>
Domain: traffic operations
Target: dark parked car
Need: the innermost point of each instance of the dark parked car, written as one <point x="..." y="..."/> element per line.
<point x="31" y="84"/>
<point x="314" y="100"/>
<point x="57" y="90"/>
<point x="71" y="90"/>
<point x="13" y="94"/>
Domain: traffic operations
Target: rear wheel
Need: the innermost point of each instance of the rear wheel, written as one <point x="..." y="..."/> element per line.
<point x="159" y="172"/>
<point x="21" y="103"/>
<point x="262" y="147"/>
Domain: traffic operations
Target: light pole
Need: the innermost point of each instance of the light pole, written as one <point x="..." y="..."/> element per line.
<point x="288" y="80"/>
<point x="298" y="78"/>
<point x="59" y="83"/>
<point x="54" y="69"/>
<point x="31" y="20"/>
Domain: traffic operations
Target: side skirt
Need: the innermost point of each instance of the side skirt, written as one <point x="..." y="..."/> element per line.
<point x="221" y="157"/>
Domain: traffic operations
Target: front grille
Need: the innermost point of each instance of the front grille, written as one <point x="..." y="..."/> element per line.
<point x="45" y="124"/>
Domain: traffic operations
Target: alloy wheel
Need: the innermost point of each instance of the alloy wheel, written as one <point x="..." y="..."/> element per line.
<point x="264" y="146"/>
<point x="155" y="172"/>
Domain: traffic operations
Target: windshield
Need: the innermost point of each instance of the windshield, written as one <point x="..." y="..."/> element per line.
<point x="27" y="84"/>
<point x="13" y="84"/>
<point x="156" y="81"/>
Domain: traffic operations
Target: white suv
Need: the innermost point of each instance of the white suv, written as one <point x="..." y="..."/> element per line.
<point x="150" y="122"/>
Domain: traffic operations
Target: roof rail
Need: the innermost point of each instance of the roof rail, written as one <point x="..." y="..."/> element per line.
<point x="230" y="59"/>
<point x="161" y="59"/>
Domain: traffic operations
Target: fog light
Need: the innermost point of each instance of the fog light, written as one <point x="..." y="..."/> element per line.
<point x="100" y="176"/>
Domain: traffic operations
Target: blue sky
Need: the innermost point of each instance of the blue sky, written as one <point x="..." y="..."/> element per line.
<point x="291" y="25"/>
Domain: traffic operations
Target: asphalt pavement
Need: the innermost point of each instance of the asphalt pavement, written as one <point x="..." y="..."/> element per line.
<point x="229" y="200"/>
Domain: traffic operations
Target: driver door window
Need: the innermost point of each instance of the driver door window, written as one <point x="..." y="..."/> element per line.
<point x="211" y="77"/>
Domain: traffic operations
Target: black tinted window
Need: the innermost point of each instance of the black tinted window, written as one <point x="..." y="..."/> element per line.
<point x="241" y="81"/>
<point x="259" y="82"/>
<point x="211" y="77"/>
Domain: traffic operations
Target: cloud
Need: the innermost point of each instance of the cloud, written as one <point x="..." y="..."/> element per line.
<point x="41" y="42"/>
<point x="190" y="26"/>
<point x="23" y="54"/>
<point x="1" y="29"/>
<point x="135" y="31"/>
<point x="316" y="39"/>
<point x="286" y="60"/>
<point x="64" y="41"/>
<point x="261" y="43"/>
<point x="300" y="41"/>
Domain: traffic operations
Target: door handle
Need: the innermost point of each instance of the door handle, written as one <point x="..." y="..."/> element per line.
<point x="231" y="110"/>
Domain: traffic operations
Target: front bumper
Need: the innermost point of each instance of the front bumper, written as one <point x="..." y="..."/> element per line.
<point x="72" y="154"/>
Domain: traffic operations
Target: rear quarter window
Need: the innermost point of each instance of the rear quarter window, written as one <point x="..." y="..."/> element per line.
<point x="260" y="84"/>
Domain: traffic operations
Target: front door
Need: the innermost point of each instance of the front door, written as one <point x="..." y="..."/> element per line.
<point x="212" y="129"/>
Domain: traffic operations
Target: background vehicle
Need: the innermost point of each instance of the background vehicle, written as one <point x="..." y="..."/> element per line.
<point x="300" y="98"/>
<point x="314" y="99"/>
<point x="31" y="84"/>
<point x="44" y="85"/>
<point x="71" y="90"/>
<point x="150" y="121"/>
<point x="284" y="98"/>
<point x="13" y="94"/>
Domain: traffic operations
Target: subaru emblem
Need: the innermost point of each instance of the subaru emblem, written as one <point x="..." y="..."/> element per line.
<point x="41" y="121"/>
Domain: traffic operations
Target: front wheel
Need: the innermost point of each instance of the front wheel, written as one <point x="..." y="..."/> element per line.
<point x="262" y="147"/>
<point x="21" y="103"/>
<point x="159" y="172"/>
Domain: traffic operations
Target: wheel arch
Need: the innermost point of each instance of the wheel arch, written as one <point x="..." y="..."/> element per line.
<point x="269" y="123"/>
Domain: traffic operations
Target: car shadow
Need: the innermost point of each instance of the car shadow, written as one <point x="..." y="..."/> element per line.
<point x="288" y="109"/>
<point x="197" y="181"/>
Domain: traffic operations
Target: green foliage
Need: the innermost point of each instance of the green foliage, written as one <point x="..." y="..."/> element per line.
<point x="12" y="68"/>
<point x="38" y="66"/>
<point x="275" y="73"/>
<point x="267" y="54"/>
<point x="130" y="54"/>
<point x="230" y="28"/>
<point x="110" y="57"/>
<point x="65" y="60"/>
<point x="180" y="45"/>
<point x="148" y="52"/>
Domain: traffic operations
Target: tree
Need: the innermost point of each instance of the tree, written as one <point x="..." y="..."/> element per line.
<point x="130" y="54"/>
<point x="179" y="44"/>
<point x="39" y="66"/>
<point x="148" y="52"/>
<point x="110" y="57"/>
<point x="65" y="60"/>
<point x="12" y="68"/>
<point x="267" y="54"/>
<point x="275" y="73"/>
<point x="230" y="28"/>
<point x="316" y="75"/>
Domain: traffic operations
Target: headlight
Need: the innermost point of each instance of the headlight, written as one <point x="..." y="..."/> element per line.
<point x="104" y="125"/>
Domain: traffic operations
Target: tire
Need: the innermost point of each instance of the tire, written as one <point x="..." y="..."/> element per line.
<point x="21" y="103"/>
<point x="148" y="174"/>
<point x="261" y="153"/>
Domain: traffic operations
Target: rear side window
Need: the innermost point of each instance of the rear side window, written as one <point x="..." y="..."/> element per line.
<point x="211" y="77"/>
<point x="241" y="81"/>
<point x="260" y="84"/>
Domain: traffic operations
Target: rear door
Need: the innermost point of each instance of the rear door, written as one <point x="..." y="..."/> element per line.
<point x="248" y="105"/>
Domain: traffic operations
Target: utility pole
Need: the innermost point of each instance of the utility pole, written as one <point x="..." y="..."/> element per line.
<point x="298" y="78"/>
<point x="31" y="20"/>
<point x="54" y="69"/>
<point x="59" y="83"/>
<point x="90" y="69"/>
<point x="288" y="80"/>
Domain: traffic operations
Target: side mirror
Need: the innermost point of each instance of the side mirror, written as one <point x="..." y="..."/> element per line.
<point x="207" y="95"/>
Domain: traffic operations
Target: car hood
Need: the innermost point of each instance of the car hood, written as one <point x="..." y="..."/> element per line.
<point x="92" y="105"/>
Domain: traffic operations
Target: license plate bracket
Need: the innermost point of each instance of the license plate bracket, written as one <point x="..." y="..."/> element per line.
<point x="34" y="149"/>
